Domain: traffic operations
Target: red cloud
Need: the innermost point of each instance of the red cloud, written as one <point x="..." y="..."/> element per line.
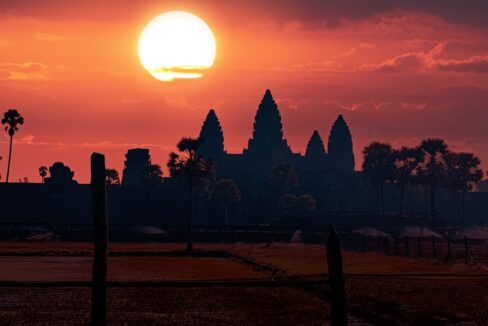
<point x="477" y="64"/>
<point x="427" y="61"/>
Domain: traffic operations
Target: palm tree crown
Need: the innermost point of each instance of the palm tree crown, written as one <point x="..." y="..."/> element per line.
<point x="12" y="119"/>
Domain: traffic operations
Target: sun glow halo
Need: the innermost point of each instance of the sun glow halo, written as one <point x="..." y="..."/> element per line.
<point x="176" y="44"/>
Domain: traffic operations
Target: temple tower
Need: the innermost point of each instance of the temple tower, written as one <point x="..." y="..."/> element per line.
<point x="213" y="137"/>
<point x="135" y="161"/>
<point x="315" y="154"/>
<point x="341" y="156"/>
<point x="267" y="143"/>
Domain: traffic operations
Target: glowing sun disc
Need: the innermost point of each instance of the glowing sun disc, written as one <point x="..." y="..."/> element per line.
<point x="176" y="44"/>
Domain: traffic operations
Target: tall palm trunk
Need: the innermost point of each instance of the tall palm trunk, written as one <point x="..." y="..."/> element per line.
<point x="463" y="201"/>
<point x="382" y="200"/>
<point x="9" y="158"/>
<point x="189" y="240"/>
<point x="432" y="200"/>
<point x="226" y="213"/>
<point x="453" y="212"/>
<point x="378" y="199"/>
<point x="402" y="198"/>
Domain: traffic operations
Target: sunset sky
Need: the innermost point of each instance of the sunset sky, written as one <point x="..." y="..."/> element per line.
<point x="398" y="71"/>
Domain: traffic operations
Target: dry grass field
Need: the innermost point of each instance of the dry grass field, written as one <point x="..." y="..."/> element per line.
<point x="381" y="290"/>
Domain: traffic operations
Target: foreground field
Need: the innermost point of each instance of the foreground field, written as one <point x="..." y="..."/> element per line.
<point x="163" y="306"/>
<point x="381" y="290"/>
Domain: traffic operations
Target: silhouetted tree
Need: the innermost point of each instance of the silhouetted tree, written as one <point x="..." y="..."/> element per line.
<point x="226" y="193"/>
<point x="378" y="166"/>
<point x="152" y="175"/>
<point x="305" y="205"/>
<point x="285" y="178"/>
<point x="405" y="161"/>
<point x="112" y="178"/>
<point x="11" y="119"/>
<point x="292" y="206"/>
<point x="432" y="166"/>
<point x="43" y="172"/>
<point x="463" y="173"/>
<point x="60" y="174"/>
<point x="189" y="165"/>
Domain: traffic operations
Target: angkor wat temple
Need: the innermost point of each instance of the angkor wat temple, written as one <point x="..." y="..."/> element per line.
<point x="266" y="148"/>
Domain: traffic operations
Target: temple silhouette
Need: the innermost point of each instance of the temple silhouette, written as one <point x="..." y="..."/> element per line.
<point x="265" y="150"/>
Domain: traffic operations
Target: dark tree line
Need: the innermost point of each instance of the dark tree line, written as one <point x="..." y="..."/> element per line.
<point x="431" y="163"/>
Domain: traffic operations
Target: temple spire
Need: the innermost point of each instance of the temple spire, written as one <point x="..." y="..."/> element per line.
<point x="340" y="149"/>
<point x="267" y="139"/>
<point x="315" y="152"/>
<point x="213" y="137"/>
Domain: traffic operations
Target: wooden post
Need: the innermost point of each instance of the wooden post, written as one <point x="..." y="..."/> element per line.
<point x="434" y="254"/>
<point x="466" y="249"/>
<point x="336" y="280"/>
<point x="100" y="241"/>
<point x="448" y="248"/>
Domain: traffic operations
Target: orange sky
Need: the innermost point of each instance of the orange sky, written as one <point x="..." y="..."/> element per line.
<point x="398" y="73"/>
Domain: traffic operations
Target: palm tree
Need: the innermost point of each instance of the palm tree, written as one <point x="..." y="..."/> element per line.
<point x="378" y="167"/>
<point x="463" y="173"/>
<point x="432" y="166"/>
<point x="43" y="172"/>
<point x="11" y="119"/>
<point x="152" y="175"/>
<point x="227" y="193"/>
<point x="192" y="167"/>
<point x="405" y="161"/>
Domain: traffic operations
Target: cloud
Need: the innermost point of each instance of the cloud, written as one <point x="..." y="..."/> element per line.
<point x="329" y="12"/>
<point x="428" y="61"/>
<point x="477" y="64"/>
<point x="23" y="71"/>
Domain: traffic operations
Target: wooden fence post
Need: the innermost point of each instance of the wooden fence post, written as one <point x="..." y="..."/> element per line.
<point x="466" y="249"/>
<point x="336" y="280"/>
<point x="100" y="241"/>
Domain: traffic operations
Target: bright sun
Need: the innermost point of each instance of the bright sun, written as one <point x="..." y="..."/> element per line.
<point x="176" y="44"/>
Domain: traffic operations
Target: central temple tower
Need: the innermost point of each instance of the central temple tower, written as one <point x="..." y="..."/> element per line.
<point x="267" y="143"/>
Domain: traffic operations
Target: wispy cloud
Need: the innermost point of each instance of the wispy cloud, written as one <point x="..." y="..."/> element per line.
<point x="429" y="61"/>
<point x="23" y="71"/>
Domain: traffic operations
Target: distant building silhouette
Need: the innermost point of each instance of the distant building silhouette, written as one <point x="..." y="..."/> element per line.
<point x="315" y="154"/>
<point x="213" y="137"/>
<point x="341" y="156"/>
<point x="135" y="161"/>
<point x="267" y="147"/>
<point x="60" y="174"/>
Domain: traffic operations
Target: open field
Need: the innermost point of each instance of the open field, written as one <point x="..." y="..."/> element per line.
<point x="381" y="290"/>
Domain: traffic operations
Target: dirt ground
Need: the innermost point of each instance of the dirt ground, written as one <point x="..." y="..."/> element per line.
<point x="381" y="290"/>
